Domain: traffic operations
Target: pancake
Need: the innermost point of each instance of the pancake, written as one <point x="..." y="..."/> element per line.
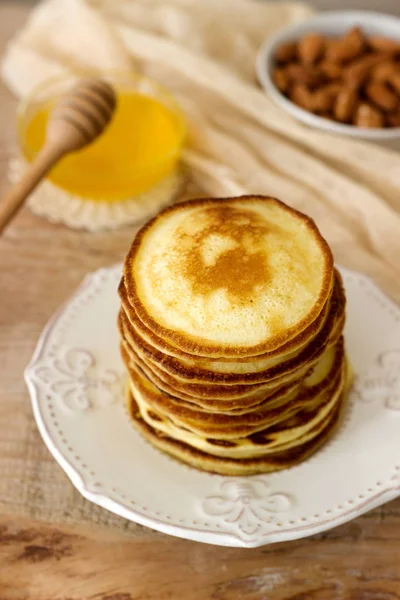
<point x="201" y="393"/>
<point x="168" y="349"/>
<point x="307" y="395"/>
<point x="229" y="466"/>
<point x="306" y="400"/>
<point x="297" y="428"/>
<point x="234" y="277"/>
<point x="231" y="332"/>
<point x="220" y="372"/>
<point x="232" y="398"/>
<point x="242" y="405"/>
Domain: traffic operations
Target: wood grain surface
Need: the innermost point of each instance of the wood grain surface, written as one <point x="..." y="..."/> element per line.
<point x="39" y="266"/>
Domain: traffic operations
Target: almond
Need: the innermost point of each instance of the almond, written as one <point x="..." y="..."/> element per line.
<point x="394" y="119"/>
<point x="338" y="52"/>
<point x="394" y="81"/>
<point x="356" y="37"/>
<point x="328" y="43"/>
<point x="300" y="95"/>
<point x="383" y="44"/>
<point x="326" y="115"/>
<point x="310" y="47"/>
<point x="357" y="71"/>
<point x="346" y="48"/>
<point x="345" y="104"/>
<point x="382" y="72"/>
<point x="367" y="116"/>
<point x="286" y="52"/>
<point x="281" y="80"/>
<point x="308" y="75"/>
<point x="380" y="95"/>
<point x="351" y="79"/>
<point x="324" y="98"/>
<point x="331" y="70"/>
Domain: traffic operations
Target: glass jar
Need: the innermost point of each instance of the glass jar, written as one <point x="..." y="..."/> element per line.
<point x="141" y="146"/>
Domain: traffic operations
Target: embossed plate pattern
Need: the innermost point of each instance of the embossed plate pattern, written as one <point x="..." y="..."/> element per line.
<point x="76" y="382"/>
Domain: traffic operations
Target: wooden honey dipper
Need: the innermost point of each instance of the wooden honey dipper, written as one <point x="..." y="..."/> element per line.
<point x="78" y="118"/>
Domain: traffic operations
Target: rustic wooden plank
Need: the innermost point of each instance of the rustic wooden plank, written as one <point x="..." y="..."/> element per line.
<point x="359" y="561"/>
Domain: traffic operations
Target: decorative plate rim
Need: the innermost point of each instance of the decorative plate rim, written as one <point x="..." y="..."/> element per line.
<point x="222" y="538"/>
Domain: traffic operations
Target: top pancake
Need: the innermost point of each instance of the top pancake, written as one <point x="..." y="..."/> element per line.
<point x="231" y="277"/>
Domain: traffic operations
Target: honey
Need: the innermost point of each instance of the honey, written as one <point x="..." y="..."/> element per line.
<point x="140" y="147"/>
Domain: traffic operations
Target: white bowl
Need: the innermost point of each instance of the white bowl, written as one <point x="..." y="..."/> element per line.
<point x="331" y="24"/>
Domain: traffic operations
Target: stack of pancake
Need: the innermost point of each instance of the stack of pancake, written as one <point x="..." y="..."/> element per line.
<point x="231" y="331"/>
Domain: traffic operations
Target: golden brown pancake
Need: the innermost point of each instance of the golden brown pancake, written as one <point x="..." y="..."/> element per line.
<point x="229" y="397"/>
<point x="230" y="329"/>
<point x="240" y="405"/>
<point x="291" y="431"/>
<point x="200" y="393"/>
<point x="307" y="395"/>
<point x="230" y="277"/>
<point x="196" y="373"/>
<point x="229" y="466"/>
<point x="167" y="348"/>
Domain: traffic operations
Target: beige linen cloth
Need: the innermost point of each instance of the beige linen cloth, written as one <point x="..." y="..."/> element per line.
<point x="239" y="142"/>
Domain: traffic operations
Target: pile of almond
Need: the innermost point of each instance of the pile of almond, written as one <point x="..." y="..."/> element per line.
<point x="353" y="79"/>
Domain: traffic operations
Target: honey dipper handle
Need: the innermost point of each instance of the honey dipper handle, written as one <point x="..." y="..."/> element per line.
<point x="12" y="202"/>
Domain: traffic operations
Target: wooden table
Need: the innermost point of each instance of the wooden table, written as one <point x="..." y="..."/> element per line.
<point x="39" y="266"/>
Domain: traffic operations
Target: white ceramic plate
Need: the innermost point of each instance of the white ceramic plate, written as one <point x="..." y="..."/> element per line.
<point x="76" y="381"/>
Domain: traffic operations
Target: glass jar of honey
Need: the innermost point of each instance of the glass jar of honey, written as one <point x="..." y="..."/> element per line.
<point x="141" y="146"/>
